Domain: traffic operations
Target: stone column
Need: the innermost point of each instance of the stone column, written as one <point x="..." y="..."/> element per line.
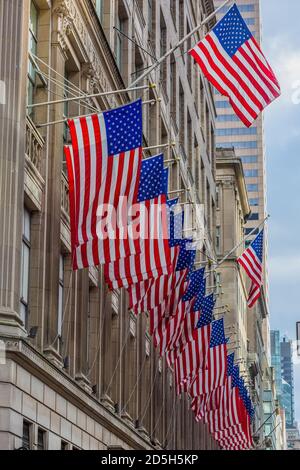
<point x="14" y="20"/>
<point x="53" y="196"/>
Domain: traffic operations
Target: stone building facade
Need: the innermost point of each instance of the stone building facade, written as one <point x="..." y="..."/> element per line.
<point x="244" y="326"/>
<point x="232" y="211"/>
<point x="79" y="371"/>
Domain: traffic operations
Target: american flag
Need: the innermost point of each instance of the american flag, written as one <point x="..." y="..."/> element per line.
<point x="150" y="293"/>
<point x="154" y="259"/>
<point x="225" y="414"/>
<point x="167" y="328"/>
<point x="192" y="358"/>
<point x="103" y="164"/>
<point x="211" y="402"/>
<point x="252" y="262"/>
<point x="195" y="284"/>
<point x="187" y="301"/>
<point x="168" y="308"/>
<point x="232" y="60"/>
<point x="214" y="374"/>
<point x="185" y="329"/>
<point x="200" y="297"/>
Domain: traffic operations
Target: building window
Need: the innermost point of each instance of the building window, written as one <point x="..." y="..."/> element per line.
<point x="254" y="202"/>
<point x="173" y="88"/>
<point x="251" y="173"/>
<point x="181" y="115"/>
<point x="151" y="24"/>
<point x="243" y="8"/>
<point x="189" y="62"/>
<point x="252" y="188"/>
<point x="173" y="8"/>
<point x="64" y="445"/>
<point x="218" y="239"/>
<point x="217" y="197"/>
<point x="25" y="267"/>
<point x="41" y="439"/>
<point x="237" y="131"/>
<point x="60" y="298"/>
<point x="120" y="49"/>
<point x="252" y="144"/>
<point x="26" y="436"/>
<point x="250" y="159"/>
<point x="254" y="216"/>
<point x="99" y="9"/>
<point x="32" y="47"/>
<point x="250" y="21"/>
<point x="163" y="50"/>
<point x="249" y="230"/>
<point x="223" y="104"/>
<point x="228" y="118"/>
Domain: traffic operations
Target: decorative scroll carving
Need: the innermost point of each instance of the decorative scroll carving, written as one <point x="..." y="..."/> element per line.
<point x="70" y="21"/>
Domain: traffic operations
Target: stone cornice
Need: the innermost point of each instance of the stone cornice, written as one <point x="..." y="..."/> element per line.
<point x="34" y="362"/>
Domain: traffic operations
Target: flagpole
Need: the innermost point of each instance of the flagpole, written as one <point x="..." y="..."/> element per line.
<point x="60" y="121"/>
<point x="94" y="95"/>
<point x="241" y="242"/>
<point x="170" y="51"/>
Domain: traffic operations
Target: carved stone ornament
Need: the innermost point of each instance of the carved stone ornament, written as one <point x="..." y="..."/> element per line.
<point x="71" y="20"/>
<point x="61" y="8"/>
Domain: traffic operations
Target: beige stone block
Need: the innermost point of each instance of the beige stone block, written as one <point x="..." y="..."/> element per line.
<point x="66" y="429"/>
<point x="16" y="399"/>
<point x="11" y="422"/>
<point x="98" y="432"/>
<point x="23" y="379"/>
<point x="93" y="443"/>
<point x="85" y="441"/>
<point x="90" y="426"/>
<point x="55" y="422"/>
<point x="81" y="419"/>
<point x="5" y="394"/>
<point x="8" y="442"/>
<point x="54" y="442"/>
<point x="49" y="397"/>
<point x="61" y="406"/>
<point x="37" y="389"/>
<point x="71" y="413"/>
<point x="29" y="407"/>
<point x="101" y="446"/>
<point x="43" y="415"/>
<point x="76" y="436"/>
<point x="8" y="372"/>
<point x="106" y="437"/>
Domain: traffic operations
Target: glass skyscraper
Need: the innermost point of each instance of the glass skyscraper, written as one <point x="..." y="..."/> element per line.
<point x="288" y="380"/>
<point x="282" y="362"/>
<point x="276" y="362"/>
<point x="248" y="144"/>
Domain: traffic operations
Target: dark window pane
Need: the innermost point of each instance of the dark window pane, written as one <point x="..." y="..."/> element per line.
<point x="41" y="439"/>
<point x="26" y="435"/>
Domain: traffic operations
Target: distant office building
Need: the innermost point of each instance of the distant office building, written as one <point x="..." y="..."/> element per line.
<point x="250" y="147"/>
<point x="293" y="438"/>
<point x="281" y="357"/>
<point x="276" y="361"/>
<point x="288" y="381"/>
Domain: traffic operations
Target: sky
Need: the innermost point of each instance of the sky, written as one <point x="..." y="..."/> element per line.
<point x="281" y="45"/>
